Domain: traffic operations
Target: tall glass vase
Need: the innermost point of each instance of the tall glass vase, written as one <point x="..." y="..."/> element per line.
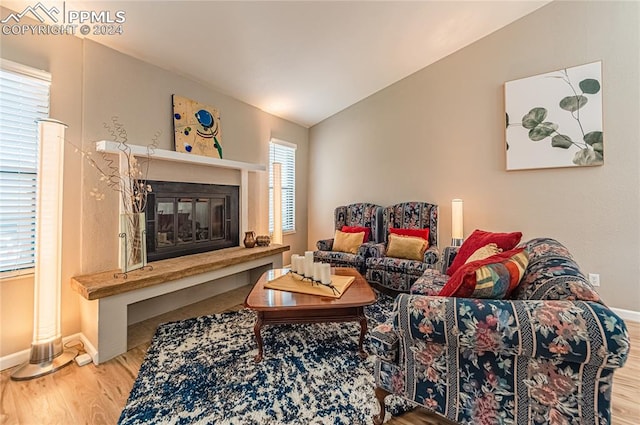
<point x="133" y="246"/>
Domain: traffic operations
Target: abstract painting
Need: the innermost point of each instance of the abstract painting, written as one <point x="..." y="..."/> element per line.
<point x="555" y="119"/>
<point x="196" y="128"/>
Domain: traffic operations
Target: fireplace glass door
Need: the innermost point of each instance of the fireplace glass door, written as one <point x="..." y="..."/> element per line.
<point x="166" y="218"/>
<point x="181" y="225"/>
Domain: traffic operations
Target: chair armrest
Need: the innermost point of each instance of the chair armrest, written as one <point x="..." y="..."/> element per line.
<point x="371" y="249"/>
<point x="431" y="256"/>
<point x="573" y="331"/>
<point x="325" y="244"/>
<point x="384" y="342"/>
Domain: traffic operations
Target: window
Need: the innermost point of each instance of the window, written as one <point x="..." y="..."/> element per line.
<point x="24" y="98"/>
<point x="284" y="153"/>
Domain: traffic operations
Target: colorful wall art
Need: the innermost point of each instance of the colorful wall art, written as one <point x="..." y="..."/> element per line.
<point x="196" y="128"/>
<point x="555" y="119"/>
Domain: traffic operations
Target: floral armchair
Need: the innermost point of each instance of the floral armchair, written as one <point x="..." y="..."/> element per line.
<point x="360" y="214"/>
<point x="396" y="273"/>
<point x="545" y="356"/>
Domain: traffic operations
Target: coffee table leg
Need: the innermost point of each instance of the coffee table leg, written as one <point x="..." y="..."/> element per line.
<point x="256" y="330"/>
<point x="363" y="331"/>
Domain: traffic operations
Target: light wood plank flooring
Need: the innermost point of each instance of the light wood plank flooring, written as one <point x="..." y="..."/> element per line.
<point x="96" y="394"/>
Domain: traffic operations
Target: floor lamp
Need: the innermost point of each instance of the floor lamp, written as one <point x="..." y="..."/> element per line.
<point x="457" y="235"/>
<point x="47" y="353"/>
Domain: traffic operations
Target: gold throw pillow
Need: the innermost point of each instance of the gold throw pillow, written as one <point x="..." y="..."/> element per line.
<point x="407" y="247"/>
<point x="347" y="242"/>
<point x="486" y="251"/>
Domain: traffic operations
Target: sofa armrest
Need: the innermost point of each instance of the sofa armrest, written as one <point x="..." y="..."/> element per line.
<point x="431" y="256"/>
<point x="325" y="244"/>
<point x="447" y="257"/>
<point x="384" y="342"/>
<point x="573" y="331"/>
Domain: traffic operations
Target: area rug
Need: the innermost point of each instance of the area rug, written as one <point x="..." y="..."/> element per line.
<point x="201" y="371"/>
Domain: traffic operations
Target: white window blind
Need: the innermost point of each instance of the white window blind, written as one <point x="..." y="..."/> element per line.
<point x="24" y="98"/>
<point x="284" y="153"/>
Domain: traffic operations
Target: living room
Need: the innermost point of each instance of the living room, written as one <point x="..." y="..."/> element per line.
<point x="433" y="136"/>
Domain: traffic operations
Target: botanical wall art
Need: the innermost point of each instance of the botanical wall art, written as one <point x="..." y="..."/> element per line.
<point x="555" y="119"/>
<point x="196" y="128"/>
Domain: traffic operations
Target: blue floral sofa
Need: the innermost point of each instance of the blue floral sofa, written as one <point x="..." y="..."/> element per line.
<point x="544" y="356"/>
<point x="359" y="214"/>
<point x="396" y="273"/>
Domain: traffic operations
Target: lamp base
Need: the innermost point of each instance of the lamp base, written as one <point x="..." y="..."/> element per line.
<point x="31" y="370"/>
<point x="456" y="242"/>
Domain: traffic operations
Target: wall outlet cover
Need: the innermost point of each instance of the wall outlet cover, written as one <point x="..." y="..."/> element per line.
<point x="83" y="359"/>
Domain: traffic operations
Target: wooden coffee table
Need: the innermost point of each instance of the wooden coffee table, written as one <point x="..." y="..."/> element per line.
<point x="275" y="307"/>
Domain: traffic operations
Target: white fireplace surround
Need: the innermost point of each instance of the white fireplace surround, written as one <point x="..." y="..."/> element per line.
<point x="105" y="320"/>
<point x="107" y="146"/>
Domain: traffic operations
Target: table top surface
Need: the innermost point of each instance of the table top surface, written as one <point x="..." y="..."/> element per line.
<point x="260" y="298"/>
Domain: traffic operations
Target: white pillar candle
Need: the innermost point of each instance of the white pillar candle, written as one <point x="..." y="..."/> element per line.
<point x="294" y="263"/>
<point x="300" y="260"/>
<point x="325" y="274"/>
<point x="308" y="263"/>
<point x="316" y="271"/>
<point x="301" y="265"/>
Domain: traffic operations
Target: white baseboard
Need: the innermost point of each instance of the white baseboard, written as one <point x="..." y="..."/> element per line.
<point x="630" y="315"/>
<point x="20" y="357"/>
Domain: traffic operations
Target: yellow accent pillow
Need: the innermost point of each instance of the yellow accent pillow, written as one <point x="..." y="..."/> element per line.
<point x="347" y="242"/>
<point x="407" y="247"/>
<point x="484" y="252"/>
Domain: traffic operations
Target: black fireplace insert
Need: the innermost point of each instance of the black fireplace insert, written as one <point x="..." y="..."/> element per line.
<point x="189" y="218"/>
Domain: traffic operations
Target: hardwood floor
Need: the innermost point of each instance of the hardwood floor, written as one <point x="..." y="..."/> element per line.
<point x="96" y="394"/>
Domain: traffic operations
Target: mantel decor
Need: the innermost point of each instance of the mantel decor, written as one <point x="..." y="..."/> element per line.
<point x="133" y="249"/>
<point x="128" y="177"/>
<point x="555" y="119"/>
<point x="196" y="128"/>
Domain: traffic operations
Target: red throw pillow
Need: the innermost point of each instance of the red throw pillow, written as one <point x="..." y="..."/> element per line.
<point x="480" y="238"/>
<point x="498" y="276"/>
<point x="357" y="229"/>
<point x="417" y="233"/>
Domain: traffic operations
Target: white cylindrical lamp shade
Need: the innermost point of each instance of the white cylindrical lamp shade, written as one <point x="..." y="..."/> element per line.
<point x="457" y="231"/>
<point x="48" y="242"/>
<point x="277" y="203"/>
<point x="47" y="352"/>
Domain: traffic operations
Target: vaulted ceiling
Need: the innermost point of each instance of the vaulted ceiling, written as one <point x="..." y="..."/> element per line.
<point x="302" y="61"/>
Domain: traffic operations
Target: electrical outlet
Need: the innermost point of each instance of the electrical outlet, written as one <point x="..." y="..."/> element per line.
<point x="594" y="279"/>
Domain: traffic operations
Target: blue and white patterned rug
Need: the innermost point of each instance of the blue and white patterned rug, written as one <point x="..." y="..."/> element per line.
<point x="202" y="371"/>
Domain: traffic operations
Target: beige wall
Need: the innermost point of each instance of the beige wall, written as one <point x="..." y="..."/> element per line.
<point x="92" y="83"/>
<point x="139" y="94"/>
<point x="439" y="135"/>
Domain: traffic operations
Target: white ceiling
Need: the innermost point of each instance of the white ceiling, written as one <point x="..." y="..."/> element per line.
<point x="302" y="61"/>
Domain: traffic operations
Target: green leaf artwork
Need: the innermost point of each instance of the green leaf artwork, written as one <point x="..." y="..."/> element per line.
<point x="572" y="123"/>
<point x="573" y="103"/>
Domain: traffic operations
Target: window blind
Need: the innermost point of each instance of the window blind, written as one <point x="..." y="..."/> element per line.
<point x="24" y="98"/>
<point x="284" y="153"/>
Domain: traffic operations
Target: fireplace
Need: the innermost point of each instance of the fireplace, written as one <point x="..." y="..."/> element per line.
<point x="189" y="218"/>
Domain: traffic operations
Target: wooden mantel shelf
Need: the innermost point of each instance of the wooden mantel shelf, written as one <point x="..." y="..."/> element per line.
<point x="163" y="154"/>
<point x="99" y="285"/>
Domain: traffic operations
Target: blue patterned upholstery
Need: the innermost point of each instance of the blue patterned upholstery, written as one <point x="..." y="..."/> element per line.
<point x="545" y="356"/>
<point x="399" y="274"/>
<point x="361" y="214"/>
